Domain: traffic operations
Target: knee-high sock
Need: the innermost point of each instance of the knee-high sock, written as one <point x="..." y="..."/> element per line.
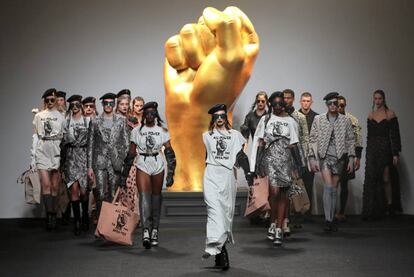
<point x="334" y="191"/>
<point x="327" y="202"/>
<point x="145" y="209"/>
<point x="76" y="210"/>
<point x="156" y="210"/>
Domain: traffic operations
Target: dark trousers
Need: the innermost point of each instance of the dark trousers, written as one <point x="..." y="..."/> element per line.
<point x="343" y="181"/>
<point x="307" y="178"/>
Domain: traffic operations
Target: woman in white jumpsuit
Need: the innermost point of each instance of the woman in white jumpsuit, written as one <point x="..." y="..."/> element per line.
<point x="224" y="148"/>
<point x="48" y="128"/>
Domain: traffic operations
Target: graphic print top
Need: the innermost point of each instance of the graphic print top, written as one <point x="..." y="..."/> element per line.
<point x="149" y="140"/>
<point x="222" y="147"/>
<point x="276" y="128"/>
<point x="49" y="123"/>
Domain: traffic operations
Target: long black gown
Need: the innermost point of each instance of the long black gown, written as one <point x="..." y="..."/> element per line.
<point x="383" y="143"/>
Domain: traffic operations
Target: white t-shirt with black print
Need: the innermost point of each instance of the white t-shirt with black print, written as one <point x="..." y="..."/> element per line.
<point x="49" y="123"/>
<point x="277" y="127"/>
<point x="149" y="140"/>
<point x="222" y="147"/>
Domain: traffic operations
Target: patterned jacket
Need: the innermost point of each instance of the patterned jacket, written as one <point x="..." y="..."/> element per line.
<point x="321" y="133"/>
<point x="303" y="132"/>
<point x="100" y="151"/>
<point x="357" y="134"/>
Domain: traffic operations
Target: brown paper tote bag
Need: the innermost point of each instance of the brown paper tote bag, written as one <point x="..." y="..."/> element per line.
<point x="257" y="200"/>
<point x="300" y="202"/>
<point x="116" y="222"/>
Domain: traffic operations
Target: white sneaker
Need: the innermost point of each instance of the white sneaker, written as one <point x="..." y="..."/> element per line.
<point x="271" y="231"/>
<point x="154" y="237"/>
<point x="286" y="228"/>
<point x="278" y="237"/>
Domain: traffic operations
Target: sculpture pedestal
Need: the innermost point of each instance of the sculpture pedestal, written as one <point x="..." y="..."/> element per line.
<point x="190" y="205"/>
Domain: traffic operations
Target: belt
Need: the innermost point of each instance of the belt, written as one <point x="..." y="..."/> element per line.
<point x="51" y="138"/>
<point x="149" y="154"/>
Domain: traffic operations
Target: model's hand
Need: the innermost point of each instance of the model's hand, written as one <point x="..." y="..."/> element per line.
<point x="350" y="167"/>
<point x="206" y="63"/>
<point x="395" y="160"/>
<point x="357" y="164"/>
<point x="91" y="175"/>
<point x="314" y="165"/>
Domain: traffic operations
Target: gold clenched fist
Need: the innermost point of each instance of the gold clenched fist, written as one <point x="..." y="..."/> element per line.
<point x="206" y="63"/>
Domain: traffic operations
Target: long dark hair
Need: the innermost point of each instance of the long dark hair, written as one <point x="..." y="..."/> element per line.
<point x="260" y="93"/>
<point x="382" y="93"/>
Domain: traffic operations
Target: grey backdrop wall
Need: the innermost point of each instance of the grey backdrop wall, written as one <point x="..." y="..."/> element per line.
<point x="92" y="47"/>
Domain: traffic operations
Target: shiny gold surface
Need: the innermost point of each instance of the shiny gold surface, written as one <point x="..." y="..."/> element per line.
<point x="206" y="63"/>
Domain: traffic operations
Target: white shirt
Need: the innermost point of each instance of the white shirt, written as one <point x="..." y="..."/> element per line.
<point x="149" y="140"/>
<point x="222" y="147"/>
<point x="277" y="127"/>
<point x="49" y="123"/>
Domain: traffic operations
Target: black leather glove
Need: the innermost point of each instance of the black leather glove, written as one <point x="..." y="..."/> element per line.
<point x="297" y="159"/>
<point x="259" y="170"/>
<point x="171" y="164"/>
<point x="123" y="181"/>
<point x="169" y="180"/>
<point x="250" y="178"/>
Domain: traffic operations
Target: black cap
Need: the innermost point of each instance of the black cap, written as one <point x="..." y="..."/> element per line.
<point x="61" y="94"/>
<point x="124" y="92"/>
<point x="274" y="95"/>
<point x="49" y="92"/>
<point x="149" y="105"/>
<point x="108" y="95"/>
<point x="331" y="95"/>
<point x="75" y="97"/>
<point x="89" y="99"/>
<point x="217" y="107"/>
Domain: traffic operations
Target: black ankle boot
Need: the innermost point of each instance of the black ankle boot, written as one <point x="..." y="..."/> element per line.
<point x="76" y="227"/>
<point x="49" y="226"/>
<point x="218" y="260"/>
<point x="225" y="262"/>
<point x="53" y="221"/>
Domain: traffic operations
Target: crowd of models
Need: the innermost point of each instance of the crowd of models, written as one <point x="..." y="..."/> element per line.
<point x="128" y="146"/>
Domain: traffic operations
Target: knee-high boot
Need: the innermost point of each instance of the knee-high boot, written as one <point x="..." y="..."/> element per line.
<point x="54" y="210"/>
<point x="85" y="214"/>
<point x="47" y="200"/>
<point x="145" y="211"/>
<point x="76" y="217"/>
<point x="156" y="210"/>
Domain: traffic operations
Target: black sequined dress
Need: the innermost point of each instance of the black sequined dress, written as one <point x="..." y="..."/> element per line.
<point x="383" y="143"/>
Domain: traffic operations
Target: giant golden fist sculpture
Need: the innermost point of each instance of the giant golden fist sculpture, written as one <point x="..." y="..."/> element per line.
<point x="206" y="63"/>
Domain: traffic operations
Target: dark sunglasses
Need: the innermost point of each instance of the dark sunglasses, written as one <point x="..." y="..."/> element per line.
<point x="75" y="104"/>
<point x="260" y="101"/>
<point x="109" y="103"/>
<point x="87" y="106"/>
<point x="50" y="100"/>
<point x="332" y="102"/>
<point x="150" y="113"/>
<point x="278" y="103"/>
<point x="342" y="105"/>
<point x="218" y="116"/>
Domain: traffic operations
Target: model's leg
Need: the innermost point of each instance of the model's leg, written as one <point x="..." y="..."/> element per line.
<point x="308" y="180"/>
<point x="145" y="199"/>
<point x="55" y="185"/>
<point x="84" y="199"/>
<point x="156" y="201"/>
<point x="343" y="196"/>
<point x="74" y="189"/>
<point x="45" y="181"/>
<point x="273" y="213"/>
<point x="101" y="179"/>
<point x="327" y="198"/>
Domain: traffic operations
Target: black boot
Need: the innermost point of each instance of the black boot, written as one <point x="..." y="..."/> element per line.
<point x="54" y="211"/>
<point x="76" y="217"/>
<point x="85" y="215"/>
<point x="49" y="225"/>
<point x="47" y="201"/>
<point x="156" y="215"/>
<point x="218" y="259"/>
<point x="146" y="240"/>
<point x="225" y="262"/>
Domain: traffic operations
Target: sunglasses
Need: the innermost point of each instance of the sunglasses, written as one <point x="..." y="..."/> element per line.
<point x="260" y="101"/>
<point x="75" y="104"/>
<point x="89" y="106"/>
<point x="342" y="105"/>
<point x="332" y="102"/>
<point x="219" y="116"/>
<point x="109" y="103"/>
<point x="50" y="100"/>
<point x="151" y="113"/>
<point x="278" y="103"/>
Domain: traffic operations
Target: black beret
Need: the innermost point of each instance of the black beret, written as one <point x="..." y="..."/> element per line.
<point x="61" y="94"/>
<point x="123" y="92"/>
<point x="108" y="95"/>
<point x="331" y="95"/>
<point x="216" y="108"/>
<point x="75" y="97"/>
<point x="89" y="99"/>
<point x="49" y="92"/>
<point x="149" y="105"/>
<point x="274" y="95"/>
